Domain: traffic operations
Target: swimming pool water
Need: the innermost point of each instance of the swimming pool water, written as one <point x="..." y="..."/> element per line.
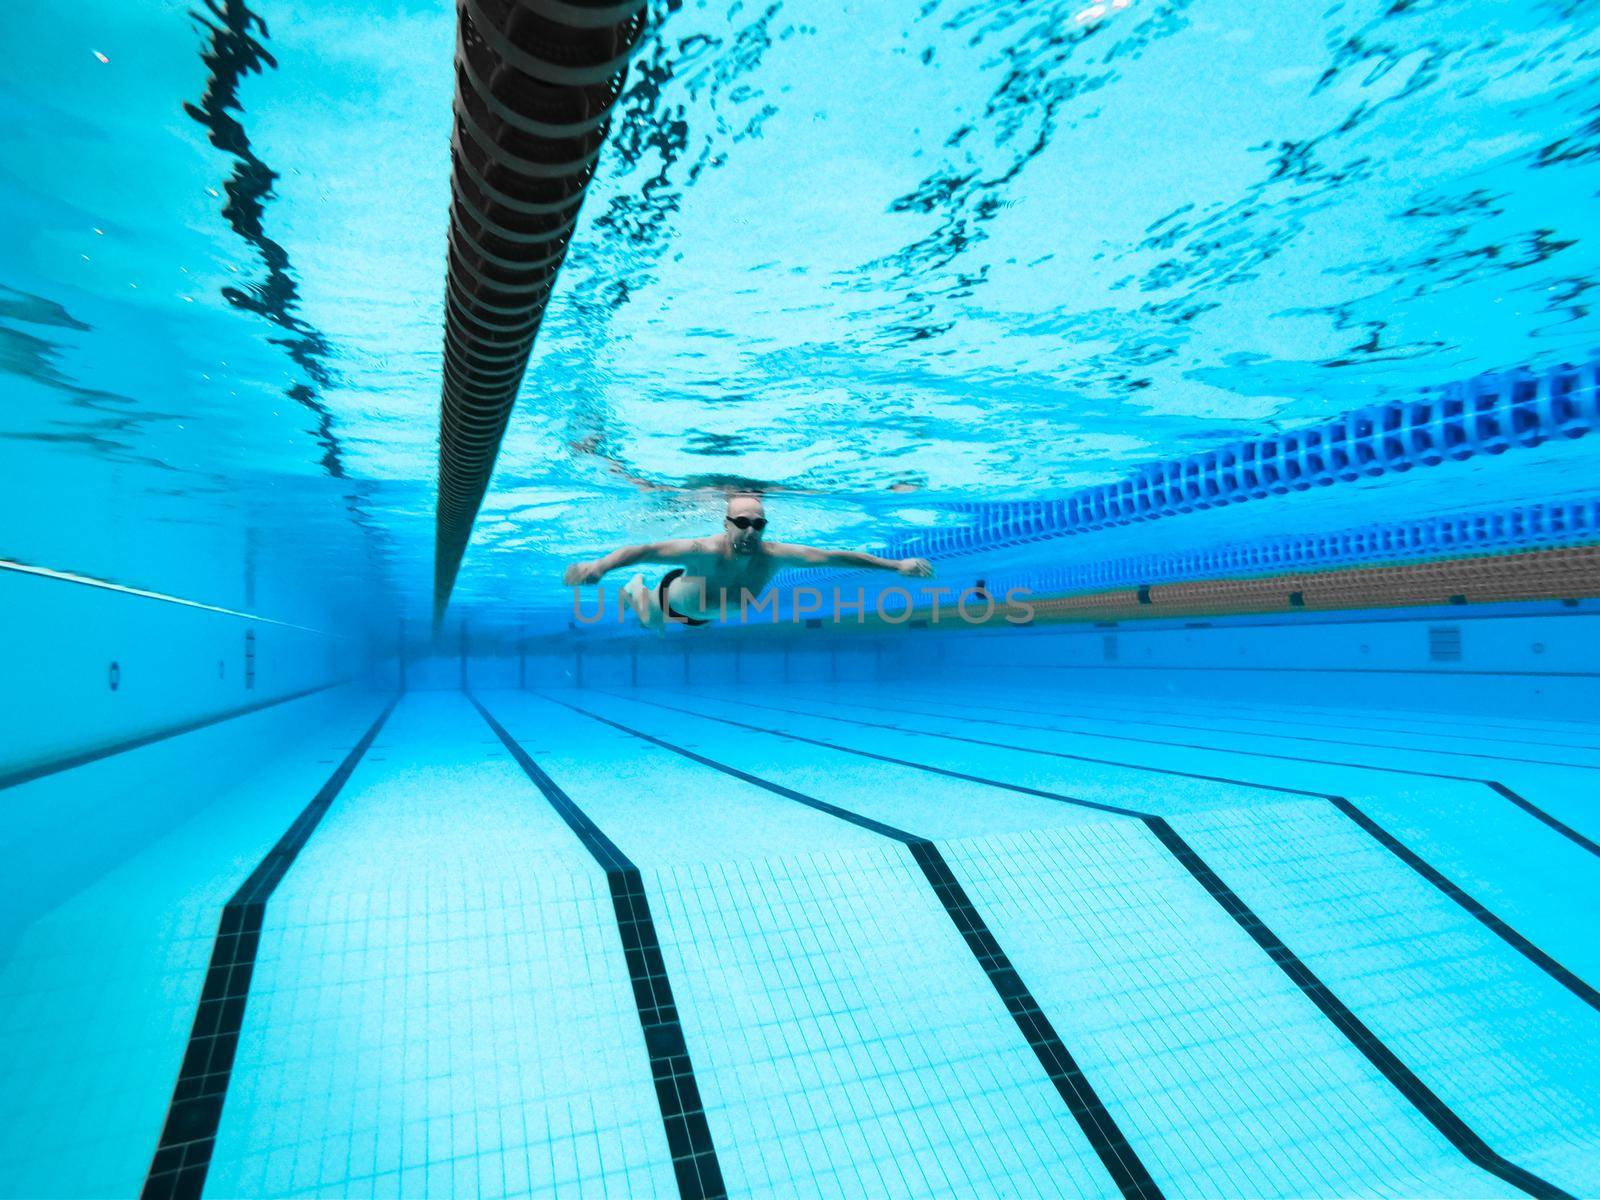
<point x="303" y="894"/>
<point x="879" y="262"/>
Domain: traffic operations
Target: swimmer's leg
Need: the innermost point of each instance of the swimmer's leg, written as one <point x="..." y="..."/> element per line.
<point x="642" y="598"/>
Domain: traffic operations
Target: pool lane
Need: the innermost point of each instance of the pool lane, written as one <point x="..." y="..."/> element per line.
<point x="1516" y="1055"/>
<point x="694" y="1155"/>
<point x="1312" y="731"/>
<point x="1553" y="783"/>
<point x="441" y="1000"/>
<point x="1464" y="731"/>
<point x="1248" y="1092"/>
<point x="97" y="1000"/>
<point x="1560" y="799"/>
<point x="846" y="1038"/>
<point x="1526" y="1072"/>
<point x="1556" y="786"/>
<point x="1540" y="884"/>
<point x="183" y="1155"/>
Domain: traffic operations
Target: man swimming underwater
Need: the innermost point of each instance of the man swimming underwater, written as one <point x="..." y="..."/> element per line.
<point x="716" y="572"/>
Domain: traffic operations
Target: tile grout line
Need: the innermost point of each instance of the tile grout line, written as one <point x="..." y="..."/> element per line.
<point x="188" y="1137"/>
<point x="694" y="1156"/>
<point x="1421" y="1097"/>
<point x="1131" y="1176"/>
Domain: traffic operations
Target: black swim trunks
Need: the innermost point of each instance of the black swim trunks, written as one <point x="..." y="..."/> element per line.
<point x="661" y="595"/>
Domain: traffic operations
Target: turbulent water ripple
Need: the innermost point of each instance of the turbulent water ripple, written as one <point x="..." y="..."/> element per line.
<point x="116" y="420"/>
<point x="957" y="248"/>
<point x="655" y="156"/>
<point x="233" y="52"/>
<point x="1019" y="121"/>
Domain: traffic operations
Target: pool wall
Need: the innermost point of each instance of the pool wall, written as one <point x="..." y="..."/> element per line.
<point x="87" y="666"/>
<point x="1536" y="659"/>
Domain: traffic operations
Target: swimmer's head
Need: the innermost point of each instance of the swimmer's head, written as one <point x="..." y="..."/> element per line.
<point x="745" y="522"/>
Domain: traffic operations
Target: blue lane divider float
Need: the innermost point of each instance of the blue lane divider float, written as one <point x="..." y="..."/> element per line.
<point x="1524" y="528"/>
<point x="1483" y="416"/>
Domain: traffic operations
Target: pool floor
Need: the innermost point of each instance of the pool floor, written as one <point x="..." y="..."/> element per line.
<point x="822" y="941"/>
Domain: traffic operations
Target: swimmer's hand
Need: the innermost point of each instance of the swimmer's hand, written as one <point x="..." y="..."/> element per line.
<point x="584" y="572"/>
<point x="915" y="568"/>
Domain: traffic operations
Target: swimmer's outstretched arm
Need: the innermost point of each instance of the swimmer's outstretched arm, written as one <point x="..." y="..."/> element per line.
<point x="811" y="556"/>
<point x="673" y="550"/>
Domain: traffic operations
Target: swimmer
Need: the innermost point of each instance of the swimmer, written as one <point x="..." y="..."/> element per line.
<point x="720" y="569"/>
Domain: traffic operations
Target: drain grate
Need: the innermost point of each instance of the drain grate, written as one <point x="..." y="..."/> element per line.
<point x="1444" y="643"/>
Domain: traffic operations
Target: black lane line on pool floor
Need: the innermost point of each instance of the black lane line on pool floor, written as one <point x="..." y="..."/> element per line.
<point x="1500" y="789"/>
<point x="1494" y="924"/>
<point x="1539" y="814"/>
<point x="1439" y="1114"/>
<point x="83" y="758"/>
<point x="1131" y="1176"/>
<point x="694" y="1157"/>
<point x="183" y="1155"/>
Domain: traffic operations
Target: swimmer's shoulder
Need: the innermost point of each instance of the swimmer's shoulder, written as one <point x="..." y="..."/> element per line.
<point x="700" y="549"/>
